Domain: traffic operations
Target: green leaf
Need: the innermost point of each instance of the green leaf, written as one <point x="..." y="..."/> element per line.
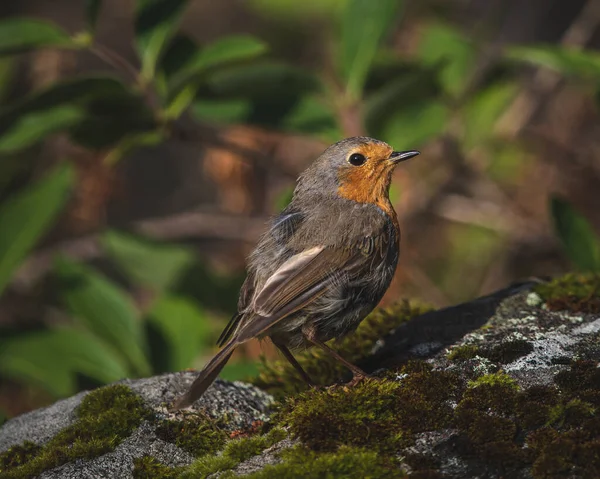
<point x="185" y="83"/>
<point x="25" y="217"/>
<point x="155" y="24"/>
<point x="22" y="34"/>
<point x="413" y="127"/>
<point x="8" y="73"/>
<point x="578" y="63"/>
<point x="407" y="112"/>
<point x="484" y="110"/>
<point x="446" y="48"/>
<point x="146" y="262"/>
<point x="52" y="359"/>
<point x="222" y="111"/>
<point x="104" y="309"/>
<point x="365" y="23"/>
<point x="273" y="90"/>
<point x="311" y="116"/>
<point x="111" y="118"/>
<point x="223" y="51"/>
<point x="92" y="10"/>
<point x="185" y="328"/>
<point x="111" y="110"/>
<point x="33" y="128"/>
<point x="579" y="240"/>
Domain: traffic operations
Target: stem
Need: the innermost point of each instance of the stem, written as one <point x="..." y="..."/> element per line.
<point x="115" y="60"/>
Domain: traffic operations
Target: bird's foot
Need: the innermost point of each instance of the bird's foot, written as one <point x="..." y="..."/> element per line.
<point x="357" y="378"/>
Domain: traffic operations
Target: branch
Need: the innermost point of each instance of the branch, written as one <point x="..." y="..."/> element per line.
<point x="190" y="225"/>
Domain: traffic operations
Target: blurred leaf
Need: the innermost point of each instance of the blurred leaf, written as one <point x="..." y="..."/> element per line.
<point x="406" y="92"/>
<point x="273" y="90"/>
<point x="311" y="116"/>
<point x="507" y="162"/>
<point x="473" y="249"/>
<point x="92" y="10"/>
<point x="52" y="360"/>
<point x="222" y="111"/>
<point x="579" y="63"/>
<point x="365" y="24"/>
<point x="132" y="142"/>
<point x="184" y="326"/>
<point x="146" y="262"/>
<point x="156" y="22"/>
<point x="112" y="116"/>
<point x="225" y="50"/>
<point x="104" y="309"/>
<point x="111" y="109"/>
<point x="407" y="112"/>
<point x="34" y="127"/>
<point x="579" y="240"/>
<point x="412" y="127"/>
<point x="388" y="68"/>
<point x="446" y="48"/>
<point x="483" y="112"/>
<point x="25" y="217"/>
<point x="7" y="75"/>
<point x="21" y="34"/>
<point x="221" y="52"/>
<point x="292" y="10"/>
<point x="179" y="52"/>
<point x="240" y="371"/>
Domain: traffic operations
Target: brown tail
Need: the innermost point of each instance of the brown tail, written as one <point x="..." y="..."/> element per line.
<point x="206" y="377"/>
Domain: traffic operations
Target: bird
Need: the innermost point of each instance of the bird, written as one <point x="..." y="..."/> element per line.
<point x="324" y="262"/>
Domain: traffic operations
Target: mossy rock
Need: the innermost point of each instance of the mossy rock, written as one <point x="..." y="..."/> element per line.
<point x="504" y="386"/>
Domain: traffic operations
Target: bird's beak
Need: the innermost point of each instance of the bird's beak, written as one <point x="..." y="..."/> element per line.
<point x="398" y="156"/>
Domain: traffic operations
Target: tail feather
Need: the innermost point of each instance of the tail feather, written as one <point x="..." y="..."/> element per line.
<point x="206" y="377"/>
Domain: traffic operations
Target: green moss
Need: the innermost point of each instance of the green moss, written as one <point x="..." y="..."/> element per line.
<point x="236" y="451"/>
<point x="573" y="453"/>
<point x="148" y="467"/>
<point x="346" y="462"/>
<point x="572" y="292"/>
<point x="503" y="353"/>
<point x="533" y="406"/>
<point x="18" y="455"/>
<point x="378" y="413"/>
<point x="197" y="435"/>
<point x="281" y="379"/>
<point x="463" y="353"/>
<point x="583" y="375"/>
<point x="106" y="417"/>
<point x="572" y="413"/>
<point x="498" y="381"/>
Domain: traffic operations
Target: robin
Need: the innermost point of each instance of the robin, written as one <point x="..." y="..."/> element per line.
<point x="325" y="262"/>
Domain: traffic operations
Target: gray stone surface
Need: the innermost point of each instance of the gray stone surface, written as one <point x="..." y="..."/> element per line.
<point x="119" y="463"/>
<point x="513" y="314"/>
<point x="41" y="425"/>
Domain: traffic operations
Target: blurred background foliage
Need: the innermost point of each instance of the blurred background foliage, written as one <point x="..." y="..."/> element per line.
<point x="144" y="144"/>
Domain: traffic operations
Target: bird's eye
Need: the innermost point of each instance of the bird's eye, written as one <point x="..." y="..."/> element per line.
<point x="357" y="159"/>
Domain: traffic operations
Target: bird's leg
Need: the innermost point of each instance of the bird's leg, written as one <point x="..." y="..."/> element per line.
<point x="290" y="357"/>
<point x="358" y="374"/>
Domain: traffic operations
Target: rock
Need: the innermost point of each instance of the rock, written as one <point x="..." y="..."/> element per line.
<point x="241" y="404"/>
<point x="496" y="387"/>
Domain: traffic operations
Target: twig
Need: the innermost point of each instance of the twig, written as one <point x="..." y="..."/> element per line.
<point x="191" y="225"/>
<point x="521" y="111"/>
<point x="115" y="60"/>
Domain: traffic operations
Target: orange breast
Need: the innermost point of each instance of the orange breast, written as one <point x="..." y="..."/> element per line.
<point x="370" y="183"/>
